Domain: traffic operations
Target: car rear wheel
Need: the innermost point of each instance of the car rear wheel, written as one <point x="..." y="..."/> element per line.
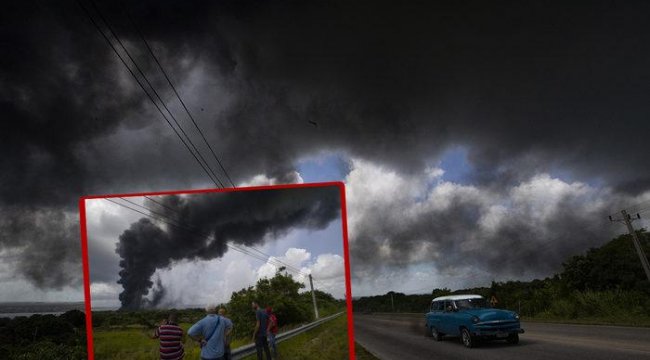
<point x="513" y="338"/>
<point x="435" y="334"/>
<point x="467" y="338"/>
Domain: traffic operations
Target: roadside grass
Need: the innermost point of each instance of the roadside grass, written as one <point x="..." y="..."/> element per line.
<point x="328" y="341"/>
<point x="623" y="308"/>
<point x="615" y="321"/>
<point x="133" y="342"/>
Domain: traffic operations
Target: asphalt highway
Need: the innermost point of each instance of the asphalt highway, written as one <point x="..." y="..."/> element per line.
<point x="402" y="337"/>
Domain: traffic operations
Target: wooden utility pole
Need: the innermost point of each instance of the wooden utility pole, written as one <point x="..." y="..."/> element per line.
<point x="637" y="244"/>
<point x="313" y="296"/>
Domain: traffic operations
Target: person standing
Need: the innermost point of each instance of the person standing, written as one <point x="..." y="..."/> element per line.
<point x="261" y="329"/>
<point x="272" y="331"/>
<point x="227" y="355"/>
<point x="171" y="339"/>
<point x="211" y="332"/>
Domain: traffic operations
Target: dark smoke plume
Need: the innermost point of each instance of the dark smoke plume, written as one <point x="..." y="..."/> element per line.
<point x="244" y="218"/>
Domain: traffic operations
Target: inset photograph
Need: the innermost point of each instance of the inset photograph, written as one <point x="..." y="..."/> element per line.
<point x="248" y="273"/>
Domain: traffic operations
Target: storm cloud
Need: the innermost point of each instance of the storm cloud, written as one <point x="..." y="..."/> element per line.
<point x="526" y="231"/>
<point x="526" y="88"/>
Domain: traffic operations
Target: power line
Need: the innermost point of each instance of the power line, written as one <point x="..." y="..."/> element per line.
<point x="176" y="223"/>
<point x="92" y="20"/>
<point x="180" y="99"/>
<point x="233" y="247"/>
<point x="637" y="208"/>
<point x="159" y="203"/>
<point x="204" y="163"/>
<point x="107" y="24"/>
<point x="182" y="226"/>
<point x="135" y="63"/>
<point x="295" y="269"/>
<point x="627" y="220"/>
<point x="178" y="226"/>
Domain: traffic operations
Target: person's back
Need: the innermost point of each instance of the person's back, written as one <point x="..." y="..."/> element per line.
<point x="273" y="330"/>
<point x="259" y="336"/>
<point x="263" y="318"/>
<point x="171" y="341"/>
<point x="212" y="329"/>
<point x="273" y="320"/>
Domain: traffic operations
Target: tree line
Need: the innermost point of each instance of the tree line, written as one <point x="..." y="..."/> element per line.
<point x="605" y="282"/>
<point x="43" y="337"/>
<point x="282" y="292"/>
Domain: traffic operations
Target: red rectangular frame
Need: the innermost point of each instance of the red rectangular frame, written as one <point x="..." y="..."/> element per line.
<point x="86" y="267"/>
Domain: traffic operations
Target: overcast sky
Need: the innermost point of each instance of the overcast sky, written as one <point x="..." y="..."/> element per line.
<point x="478" y="140"/>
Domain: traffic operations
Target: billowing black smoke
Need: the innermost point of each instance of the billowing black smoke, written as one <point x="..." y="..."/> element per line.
<point x="206" y="223"/>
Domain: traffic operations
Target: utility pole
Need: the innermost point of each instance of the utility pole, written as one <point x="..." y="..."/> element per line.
<point x="313" y="296"/>
<point x="392" y="304"/>
<point x="627" y="219"/>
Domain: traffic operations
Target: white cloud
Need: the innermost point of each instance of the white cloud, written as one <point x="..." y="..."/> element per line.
<point x="262" y="180"/>
<point x="328" y="270"/>
<point x="398" y="221"/>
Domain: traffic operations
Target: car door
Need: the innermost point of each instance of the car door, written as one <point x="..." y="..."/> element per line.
<point x="446" y="318"/>
<point x="433" y="317"/>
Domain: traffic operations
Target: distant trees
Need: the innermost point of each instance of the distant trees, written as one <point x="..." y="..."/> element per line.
<point x="614" y="266"/>
<point x="282" y="293"/>
<point x="147" y="318"/>
<point x="604" y="282"/>
<point x="44" y="337"/>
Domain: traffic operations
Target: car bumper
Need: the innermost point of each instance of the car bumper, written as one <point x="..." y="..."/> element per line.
<point x="497" y="333"/>
<point x="501" y="329"/>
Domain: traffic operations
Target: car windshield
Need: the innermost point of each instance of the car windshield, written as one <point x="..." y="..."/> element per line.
<point x="471" y="304"/>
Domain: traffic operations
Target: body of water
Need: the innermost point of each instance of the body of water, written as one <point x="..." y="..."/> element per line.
<point x="16" y="309"/>
<point x="14" y="315"/>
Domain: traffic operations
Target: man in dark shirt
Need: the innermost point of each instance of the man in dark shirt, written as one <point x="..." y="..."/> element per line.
<point x="261" y="328"/>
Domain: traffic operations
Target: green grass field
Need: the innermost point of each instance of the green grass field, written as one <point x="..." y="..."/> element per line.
<point x="133" y="342"/>
<point x="328" y="341"/>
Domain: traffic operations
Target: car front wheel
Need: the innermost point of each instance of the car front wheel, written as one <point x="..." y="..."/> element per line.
<point x="435" y="334"/>
<point x="467" y="338"/>
<point x="513" y="338"/>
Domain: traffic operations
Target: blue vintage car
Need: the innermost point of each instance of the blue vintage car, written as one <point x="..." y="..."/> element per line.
<point x="471" y="318"/>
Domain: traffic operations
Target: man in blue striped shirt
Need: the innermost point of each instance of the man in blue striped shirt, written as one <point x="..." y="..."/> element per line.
<point x="211" y="332"/>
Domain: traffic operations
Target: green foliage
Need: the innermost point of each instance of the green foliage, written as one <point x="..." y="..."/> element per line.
<point x="280" y="292"/>
<point x="327" y="341"/>
<point x="44" y="336"/>
<point x="327" y="304"/>
<point x="124" y="334"/>
<point x="47" y="350"/>
<point x="613" y="266"/>
<point x="610" y="306"/>
<point x="147" y="318"/>
<point x="606" y="285"/>
<point x="397" y="302"/>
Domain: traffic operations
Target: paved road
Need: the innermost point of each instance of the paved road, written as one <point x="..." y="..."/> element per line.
<point x="401" y="337"/>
